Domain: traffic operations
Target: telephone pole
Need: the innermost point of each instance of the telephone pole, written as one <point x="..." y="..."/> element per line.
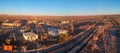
<point x="72" y="26"/>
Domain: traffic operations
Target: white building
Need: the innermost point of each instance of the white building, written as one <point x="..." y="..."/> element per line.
<point x="31" y="21"/>
<point x="30" y="36"/>
<point x="65" y="22"/>
<point x="56" y="32"/>
<point x="41" y="22"/>
<point x="53" y="32"/>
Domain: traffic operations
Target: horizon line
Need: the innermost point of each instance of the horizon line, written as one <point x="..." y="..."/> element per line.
<point x="60" y="15"/>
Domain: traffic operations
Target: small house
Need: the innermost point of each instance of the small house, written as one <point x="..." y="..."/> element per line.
<point x="30" y="36"/>
<point x="52" y="31"/>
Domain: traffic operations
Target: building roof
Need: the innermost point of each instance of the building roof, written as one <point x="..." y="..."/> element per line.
<point x="29" y="34"/>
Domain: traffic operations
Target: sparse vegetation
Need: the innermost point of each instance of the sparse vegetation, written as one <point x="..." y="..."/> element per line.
<point x="105" y="40"/>
<point x="64" y="38"/>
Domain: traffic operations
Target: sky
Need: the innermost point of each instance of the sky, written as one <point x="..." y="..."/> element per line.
<point x="59" y="7"/>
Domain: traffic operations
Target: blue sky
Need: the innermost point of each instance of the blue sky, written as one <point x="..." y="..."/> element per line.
<point x="59" y="7"/>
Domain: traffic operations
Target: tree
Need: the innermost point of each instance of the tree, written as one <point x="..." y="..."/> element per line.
<point x="64" y="37"/>
<point x="7" y="41"/>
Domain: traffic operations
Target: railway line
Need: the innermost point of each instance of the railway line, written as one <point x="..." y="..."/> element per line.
<point x="74" y="45"/>
<point x="79" y="43"/>
<point x="106" y="39"/>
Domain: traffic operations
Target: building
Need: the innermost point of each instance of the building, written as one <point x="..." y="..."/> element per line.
<point x="56" y="32"/>
<point x="8" y="47"/>
<point x="30" y="36"/>
<point x="53" y="32"/>
<point x="41" y="22"/>
<point x="11" y="24"/>
<point x="31" y="21"/>
<point x="64" y="22"/>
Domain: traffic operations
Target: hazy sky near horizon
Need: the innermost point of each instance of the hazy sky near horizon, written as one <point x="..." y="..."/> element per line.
<point x="59" y="7"/>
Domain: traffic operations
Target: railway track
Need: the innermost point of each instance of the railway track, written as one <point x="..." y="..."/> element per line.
<point x="67" y="44"/>
<point x="74" y="45"/>
<point x="79" y="43"/>
<point x="82" y="43"/>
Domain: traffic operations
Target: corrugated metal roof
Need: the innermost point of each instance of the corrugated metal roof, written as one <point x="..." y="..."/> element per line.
<point x="29" y="34"/>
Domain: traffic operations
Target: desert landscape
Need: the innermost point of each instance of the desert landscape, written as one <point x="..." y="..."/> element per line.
<point x="94" y="34"/>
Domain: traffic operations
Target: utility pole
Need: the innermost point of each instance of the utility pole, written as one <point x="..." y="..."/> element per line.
<point x="72" y="26"/>
<point x="38" y="26"/>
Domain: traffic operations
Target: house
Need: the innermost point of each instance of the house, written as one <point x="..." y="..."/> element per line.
<point x="64" y="22"/>
<point x="31" y="21"/>
<point x="56" y="32"/>
<point x="53" y="32"/>
<point x="11" y="24"/>
<point x="30" y="36"/>
<point x="8" y="47"/>
<point x="41" y="22"/>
